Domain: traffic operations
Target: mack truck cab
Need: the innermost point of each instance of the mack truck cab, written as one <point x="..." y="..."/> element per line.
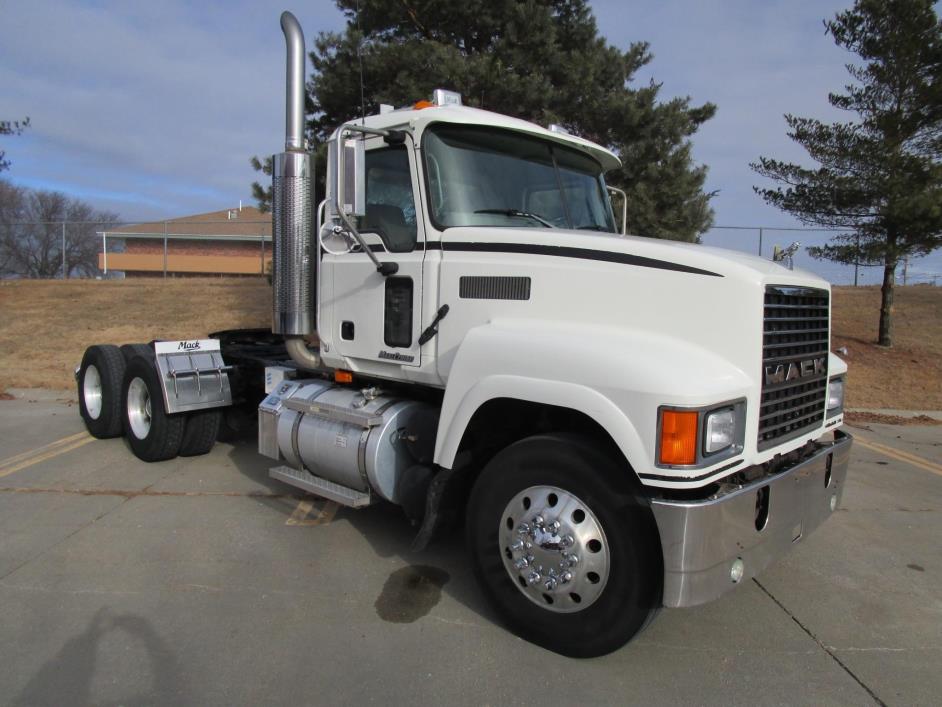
<point x="462" y="328"/>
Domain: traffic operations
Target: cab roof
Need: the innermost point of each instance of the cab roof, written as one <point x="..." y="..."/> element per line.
<point x="419" y="119"/>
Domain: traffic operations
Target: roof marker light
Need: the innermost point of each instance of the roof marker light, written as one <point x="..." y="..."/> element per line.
<point x="441" y="97"/>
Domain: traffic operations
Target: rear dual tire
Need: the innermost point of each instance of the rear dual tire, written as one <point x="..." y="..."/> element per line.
<point x="99" y="391"/>
<point x="152" y="434"/>
<point x="119" y="392"/>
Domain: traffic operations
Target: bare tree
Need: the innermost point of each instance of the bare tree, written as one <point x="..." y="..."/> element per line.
<point x="10" y="127"/>
<point x="33" y="225"/>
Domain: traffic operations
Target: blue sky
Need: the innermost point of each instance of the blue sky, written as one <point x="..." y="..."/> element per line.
<point x="153" y="109"/>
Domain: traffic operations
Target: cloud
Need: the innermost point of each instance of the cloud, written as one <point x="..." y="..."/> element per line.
<point x="756" y="61"/>
<point x="153" y="109"/>
<point x="150" y="109"/>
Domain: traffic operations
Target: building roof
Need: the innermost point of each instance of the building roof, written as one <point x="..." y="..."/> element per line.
<point x="245" y="223"/>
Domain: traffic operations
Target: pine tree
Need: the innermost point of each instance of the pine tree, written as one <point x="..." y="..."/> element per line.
<point x="540" y="60"/>
<point x="880" y="176"/>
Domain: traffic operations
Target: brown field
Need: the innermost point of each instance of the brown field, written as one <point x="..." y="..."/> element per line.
<point x="907" y="376"/>
<point x="46" y="325"/>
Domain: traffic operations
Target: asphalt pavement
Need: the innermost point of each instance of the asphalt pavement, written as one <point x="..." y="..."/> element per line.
<point x="202" y="582"/>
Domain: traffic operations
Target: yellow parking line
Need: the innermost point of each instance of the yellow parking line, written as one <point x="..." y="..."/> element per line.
<point x="900" y="455"/>
<point x="300" y="513"/>
<point x="49" y="451"/>
<point x="324" y="513"/>
<point x="32" y="452"/>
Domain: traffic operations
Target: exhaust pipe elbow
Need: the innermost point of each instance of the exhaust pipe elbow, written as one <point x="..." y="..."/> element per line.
<point x="294" y="82"/>
<point x="302" y="355"/>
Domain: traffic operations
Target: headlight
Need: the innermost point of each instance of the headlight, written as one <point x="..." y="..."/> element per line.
<point x="720" y="430"/>
<point x="835" y="395"/>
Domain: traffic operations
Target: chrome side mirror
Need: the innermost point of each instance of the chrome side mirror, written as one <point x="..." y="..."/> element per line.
<point x="351" y="178"/>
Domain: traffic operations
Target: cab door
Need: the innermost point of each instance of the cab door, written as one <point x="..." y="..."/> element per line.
<point x="373" y="317"/>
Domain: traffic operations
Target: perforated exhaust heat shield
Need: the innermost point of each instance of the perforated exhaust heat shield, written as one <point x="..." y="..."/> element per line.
<point x="294" y="265"/>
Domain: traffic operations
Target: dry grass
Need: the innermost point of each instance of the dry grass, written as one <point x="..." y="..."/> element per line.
<point x="46" y="325"/>
<point x="907" y="376"/>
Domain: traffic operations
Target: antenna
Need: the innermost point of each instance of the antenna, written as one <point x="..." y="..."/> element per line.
<point x="360" y="59"/>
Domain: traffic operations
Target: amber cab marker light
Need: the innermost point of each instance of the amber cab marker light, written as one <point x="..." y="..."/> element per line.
<point x="678" y="441"/>
<point x="419" y="105"/>
<point x="343" y="376"/>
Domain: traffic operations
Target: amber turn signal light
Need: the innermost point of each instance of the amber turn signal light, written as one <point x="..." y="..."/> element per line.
<point x="678" y="443"/>
<point x="343" y="376"/>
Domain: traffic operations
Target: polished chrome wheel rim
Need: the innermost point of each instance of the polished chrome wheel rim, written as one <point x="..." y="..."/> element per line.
<point x="91" y="392"/>
<point x="554" y="549"/>
<point x="139" y="412"/>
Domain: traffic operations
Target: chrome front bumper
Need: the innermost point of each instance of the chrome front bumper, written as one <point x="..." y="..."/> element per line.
<point x="701" y="540"/>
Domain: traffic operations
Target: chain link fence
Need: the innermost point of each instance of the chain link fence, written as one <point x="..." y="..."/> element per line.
<point x="234" y="247"/>
<point x="99" y="249"/>
<point x="762" y="240"/>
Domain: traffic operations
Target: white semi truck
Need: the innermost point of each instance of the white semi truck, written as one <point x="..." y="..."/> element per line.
<point x="460" y="328"/>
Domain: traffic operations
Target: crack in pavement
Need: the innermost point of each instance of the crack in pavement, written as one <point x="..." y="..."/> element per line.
<point x="57" y="544"/>
<point x="826" y="649"/>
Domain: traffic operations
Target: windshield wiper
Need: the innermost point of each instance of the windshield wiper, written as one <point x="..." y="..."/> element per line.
<point x="516" y="213"/>
<point x="593" y="227"/>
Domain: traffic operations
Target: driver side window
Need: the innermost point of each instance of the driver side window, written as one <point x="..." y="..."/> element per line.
<point x="390" y="202"/>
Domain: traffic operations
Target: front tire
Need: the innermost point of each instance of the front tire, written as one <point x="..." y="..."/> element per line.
<point x="99" y="390"/>
<point x="565" y="546"/>
<point x="152" y="434"/>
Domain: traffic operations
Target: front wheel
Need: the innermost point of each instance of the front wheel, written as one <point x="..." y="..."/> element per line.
<point x="565" y="546"/>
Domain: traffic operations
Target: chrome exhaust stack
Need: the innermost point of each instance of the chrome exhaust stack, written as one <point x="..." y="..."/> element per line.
<point x="294" y="264"/>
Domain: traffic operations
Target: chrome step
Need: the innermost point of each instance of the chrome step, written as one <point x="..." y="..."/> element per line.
<point x="305" y="480"/>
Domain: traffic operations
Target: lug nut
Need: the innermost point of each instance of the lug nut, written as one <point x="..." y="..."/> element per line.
<point x="566" y="541"/>
<point x="533" y="578"/>
<point x="517" y="545"/>
<point x="521" y="563"/>
<point x="523" y="529"/>
<point x="538" y="521"/>
<point x="566" y="577"/>
<point x="553" y="527"/>
<point x="550" y="583"/>
<point x="572" y="560"/>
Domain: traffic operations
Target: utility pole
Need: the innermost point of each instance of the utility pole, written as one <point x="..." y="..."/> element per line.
<point x="856" y="259"/>
<point x="760" y="242"/>
<point x="65" y="273"/>
<point x="165" y="249"/>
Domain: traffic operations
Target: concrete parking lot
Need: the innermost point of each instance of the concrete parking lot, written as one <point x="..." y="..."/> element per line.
<point x="200" y="581"/>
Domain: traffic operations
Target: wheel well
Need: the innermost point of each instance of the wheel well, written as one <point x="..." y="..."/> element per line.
<point x="500" y="422"/>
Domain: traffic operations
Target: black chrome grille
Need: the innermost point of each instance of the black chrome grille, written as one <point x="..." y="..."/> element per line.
<point x="794" y="363"/>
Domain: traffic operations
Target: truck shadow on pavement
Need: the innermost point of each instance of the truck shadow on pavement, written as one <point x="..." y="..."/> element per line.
<point x="68" y="677"/>
<point x="410" y="592"/>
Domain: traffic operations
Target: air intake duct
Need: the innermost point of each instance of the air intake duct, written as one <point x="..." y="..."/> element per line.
<point x="294" y="265"/>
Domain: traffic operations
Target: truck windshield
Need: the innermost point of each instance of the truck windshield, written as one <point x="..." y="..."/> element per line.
<point x="480" y="176"/>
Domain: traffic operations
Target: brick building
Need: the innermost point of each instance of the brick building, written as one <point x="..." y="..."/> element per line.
<point x="230" y="242"/>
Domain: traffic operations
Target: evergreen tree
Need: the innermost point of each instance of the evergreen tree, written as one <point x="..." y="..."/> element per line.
<point x="880" y="176"/>
<point x="540" y="60"/>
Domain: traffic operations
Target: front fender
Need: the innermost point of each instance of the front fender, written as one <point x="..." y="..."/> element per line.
<point x="615" y="376"/>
